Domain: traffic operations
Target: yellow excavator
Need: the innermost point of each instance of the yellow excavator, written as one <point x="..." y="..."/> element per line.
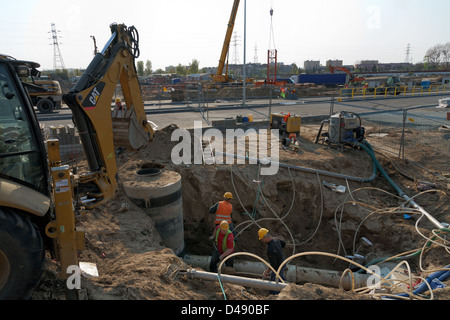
<point x="41" y="198"/>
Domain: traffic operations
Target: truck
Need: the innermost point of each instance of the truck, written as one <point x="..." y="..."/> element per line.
<point x="40" y="197"/>
<point x="45" y="93"/>
<point x="392" y="85"/>
<point x="327" y="79"/>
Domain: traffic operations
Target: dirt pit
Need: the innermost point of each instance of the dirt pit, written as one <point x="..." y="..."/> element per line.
<point x="295" y="205"/>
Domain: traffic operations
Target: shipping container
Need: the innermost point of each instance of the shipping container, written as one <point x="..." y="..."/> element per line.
<point x="326" y="79"/>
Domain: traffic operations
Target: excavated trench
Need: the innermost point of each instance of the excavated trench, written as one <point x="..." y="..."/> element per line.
<point x="133" y="258"/>
<point x="293" y="204"/>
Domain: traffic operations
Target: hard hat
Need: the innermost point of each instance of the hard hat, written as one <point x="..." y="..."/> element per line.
<point x="228" y="195"/>
<point x="224" y="225"/>
<point x="262" y="232"/>
<point x="118" y="100"/>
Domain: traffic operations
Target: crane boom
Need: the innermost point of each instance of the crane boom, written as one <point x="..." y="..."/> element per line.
<point x="219" y="76"/>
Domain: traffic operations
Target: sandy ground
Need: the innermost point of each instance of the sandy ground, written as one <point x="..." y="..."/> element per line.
<point x="133" y="264"/>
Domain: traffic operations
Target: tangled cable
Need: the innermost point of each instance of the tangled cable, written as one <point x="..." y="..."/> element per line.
<point x="385" y="282"/>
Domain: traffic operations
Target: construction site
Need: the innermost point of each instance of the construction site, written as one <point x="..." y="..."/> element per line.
<point x="118" y="208"/>
<point x="324" y="227"/>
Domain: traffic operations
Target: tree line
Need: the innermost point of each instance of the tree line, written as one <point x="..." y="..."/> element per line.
<point x="145" y="70"/>
<point x="438" y="56"/>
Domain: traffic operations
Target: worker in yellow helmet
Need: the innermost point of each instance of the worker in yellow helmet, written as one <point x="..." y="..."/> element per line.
<point x="275" y="254"/>
<point x="222" y="210"/>
<point x="119" y="105"/>
<point x="223" y="245"/>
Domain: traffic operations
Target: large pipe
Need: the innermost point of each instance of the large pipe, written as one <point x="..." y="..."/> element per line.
<point x="246" y="282"/>
<point x="321" y="172"/>
<point x="294" y="274"/>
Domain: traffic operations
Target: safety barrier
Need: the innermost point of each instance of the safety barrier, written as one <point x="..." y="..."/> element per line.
<point x="393" y="91"/>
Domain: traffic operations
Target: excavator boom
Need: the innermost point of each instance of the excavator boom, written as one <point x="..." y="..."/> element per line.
<point x="90" y="101"/>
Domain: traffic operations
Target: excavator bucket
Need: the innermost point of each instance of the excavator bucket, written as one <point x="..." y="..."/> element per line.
<point x="127" y="132"/>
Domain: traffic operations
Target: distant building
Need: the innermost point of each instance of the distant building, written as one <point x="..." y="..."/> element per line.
<point x="311" y="65"/>
<point x="398" y="66"/>
<point x="368" y="65"/>
<point x="170" y="69"/>
<point x="376" y="66"/>
<point x="334" y="63"/>
<point x="198" y="77"/>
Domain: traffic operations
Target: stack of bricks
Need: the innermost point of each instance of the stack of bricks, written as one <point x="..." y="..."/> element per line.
<point x="70" y="146"/>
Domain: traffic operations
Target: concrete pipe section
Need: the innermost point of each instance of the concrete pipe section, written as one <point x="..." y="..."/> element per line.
<point x="295" y="274"/>
<point x="158" y="192"/>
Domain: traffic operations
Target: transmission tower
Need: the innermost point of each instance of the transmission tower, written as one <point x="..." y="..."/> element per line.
<point x="255" y="58"/>
<point x="235" y="45"/>
<point x="58" y="62"/>
<point x="408" y="52"/>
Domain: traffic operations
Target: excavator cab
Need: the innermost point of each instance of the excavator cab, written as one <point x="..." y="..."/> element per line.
<point x="24" y="189"/>
<point x="22" y="152"/>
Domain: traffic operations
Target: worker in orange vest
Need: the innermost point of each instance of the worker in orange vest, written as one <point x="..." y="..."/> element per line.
<point x="222" y="210"/>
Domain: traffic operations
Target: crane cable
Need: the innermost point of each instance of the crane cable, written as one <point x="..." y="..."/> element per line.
<point x="271" y="36"/>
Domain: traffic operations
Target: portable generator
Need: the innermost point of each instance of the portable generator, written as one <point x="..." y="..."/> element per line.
<point x="285" y="123"/>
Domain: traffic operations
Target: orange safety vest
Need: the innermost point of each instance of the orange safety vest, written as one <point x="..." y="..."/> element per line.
<point x="223" y="212"/>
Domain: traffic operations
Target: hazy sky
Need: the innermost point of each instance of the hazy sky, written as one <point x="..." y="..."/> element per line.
<point x="178" y="31"/>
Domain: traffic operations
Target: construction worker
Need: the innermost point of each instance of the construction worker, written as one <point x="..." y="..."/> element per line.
<point x="222" y="210"/>
<point x="274" y="253"/>
<point x="119" y="105"/>
<point x="223" y="245"/>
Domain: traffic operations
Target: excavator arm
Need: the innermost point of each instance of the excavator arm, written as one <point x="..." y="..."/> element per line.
<point x="90" y="101"/>
<point x="352" y="78"/>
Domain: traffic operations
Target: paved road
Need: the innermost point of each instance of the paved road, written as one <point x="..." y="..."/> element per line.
<point x="185" y="114"/>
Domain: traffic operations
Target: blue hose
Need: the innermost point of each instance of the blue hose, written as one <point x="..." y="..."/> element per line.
<point x="440" y="275"/>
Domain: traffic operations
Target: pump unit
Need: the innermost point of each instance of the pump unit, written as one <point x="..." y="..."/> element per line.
<point x="344" y="128"/>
